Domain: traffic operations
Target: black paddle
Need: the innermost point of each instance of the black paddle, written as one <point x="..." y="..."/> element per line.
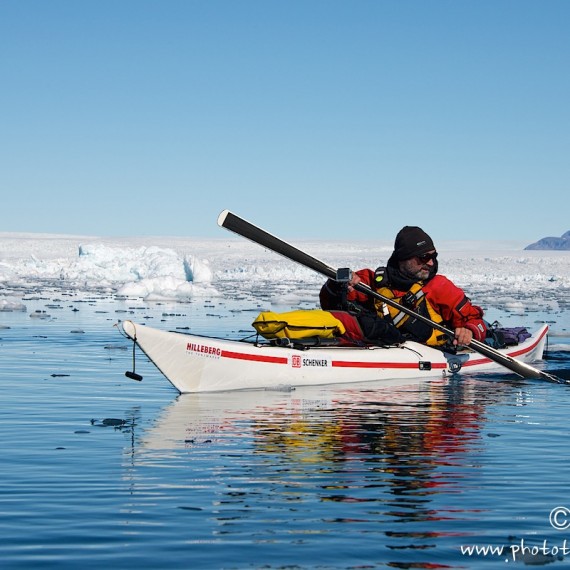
<point x="247" y="230"/>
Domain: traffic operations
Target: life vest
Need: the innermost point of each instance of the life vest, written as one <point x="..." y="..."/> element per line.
<point x="416" y="300"/>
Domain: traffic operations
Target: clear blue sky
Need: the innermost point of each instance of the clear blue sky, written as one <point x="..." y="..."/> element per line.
<point x="311" y="118"/>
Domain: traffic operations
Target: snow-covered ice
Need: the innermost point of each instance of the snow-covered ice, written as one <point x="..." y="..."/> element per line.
<point x="495" y="274"/>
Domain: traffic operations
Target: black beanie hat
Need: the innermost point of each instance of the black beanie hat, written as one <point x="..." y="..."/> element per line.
<point x="411" y="241"/>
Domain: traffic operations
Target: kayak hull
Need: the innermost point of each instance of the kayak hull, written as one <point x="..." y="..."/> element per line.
<point x="194" y="363"/>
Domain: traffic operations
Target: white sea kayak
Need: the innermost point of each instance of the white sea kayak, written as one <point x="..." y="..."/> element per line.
<point x="194" y="363"/>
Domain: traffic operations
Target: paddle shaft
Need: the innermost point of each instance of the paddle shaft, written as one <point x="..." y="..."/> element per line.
<point x="238" y="225"/>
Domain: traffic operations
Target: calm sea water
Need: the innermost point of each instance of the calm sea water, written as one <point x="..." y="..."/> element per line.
<point x="101" y="471"/>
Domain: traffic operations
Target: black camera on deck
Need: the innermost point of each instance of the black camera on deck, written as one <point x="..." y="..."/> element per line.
<point x="343" y="275"/>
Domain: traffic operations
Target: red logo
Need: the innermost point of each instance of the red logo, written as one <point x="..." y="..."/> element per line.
<point x="296" y="361"/>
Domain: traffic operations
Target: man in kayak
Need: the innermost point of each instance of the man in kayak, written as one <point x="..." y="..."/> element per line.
<point x="410" y="278"/>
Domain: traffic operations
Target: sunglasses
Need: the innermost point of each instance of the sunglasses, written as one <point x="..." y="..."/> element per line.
<point x="427" y="257"/>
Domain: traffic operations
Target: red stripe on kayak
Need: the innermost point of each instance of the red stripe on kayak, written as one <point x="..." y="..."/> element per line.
<point x="254" y="357"/>
<point x="354" y="364"/>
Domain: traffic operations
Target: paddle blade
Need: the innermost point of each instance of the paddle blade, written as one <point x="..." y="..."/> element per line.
<point x="517" y="366"/>
<point x="249" y="231"/>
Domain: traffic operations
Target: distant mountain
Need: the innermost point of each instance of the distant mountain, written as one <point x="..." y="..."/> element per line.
<point x="553" y="243"/>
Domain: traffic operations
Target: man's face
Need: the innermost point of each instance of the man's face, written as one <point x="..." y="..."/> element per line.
<point x="420" y="267"/>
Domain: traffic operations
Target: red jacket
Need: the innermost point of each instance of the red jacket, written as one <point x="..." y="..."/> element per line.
<point x="444" y="296"/>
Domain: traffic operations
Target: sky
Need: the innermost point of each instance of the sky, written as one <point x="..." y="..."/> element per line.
<point x="319" y="119"/>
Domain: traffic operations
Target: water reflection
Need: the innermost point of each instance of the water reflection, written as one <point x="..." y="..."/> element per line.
<point x="347" y="462"/>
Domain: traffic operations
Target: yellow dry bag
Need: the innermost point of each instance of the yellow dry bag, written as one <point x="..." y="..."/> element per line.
<point x="298" y="324"/>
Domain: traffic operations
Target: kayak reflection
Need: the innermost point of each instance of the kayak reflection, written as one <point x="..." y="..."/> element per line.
<point x="404" y="432"/>
<point x="384" y="467"/>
